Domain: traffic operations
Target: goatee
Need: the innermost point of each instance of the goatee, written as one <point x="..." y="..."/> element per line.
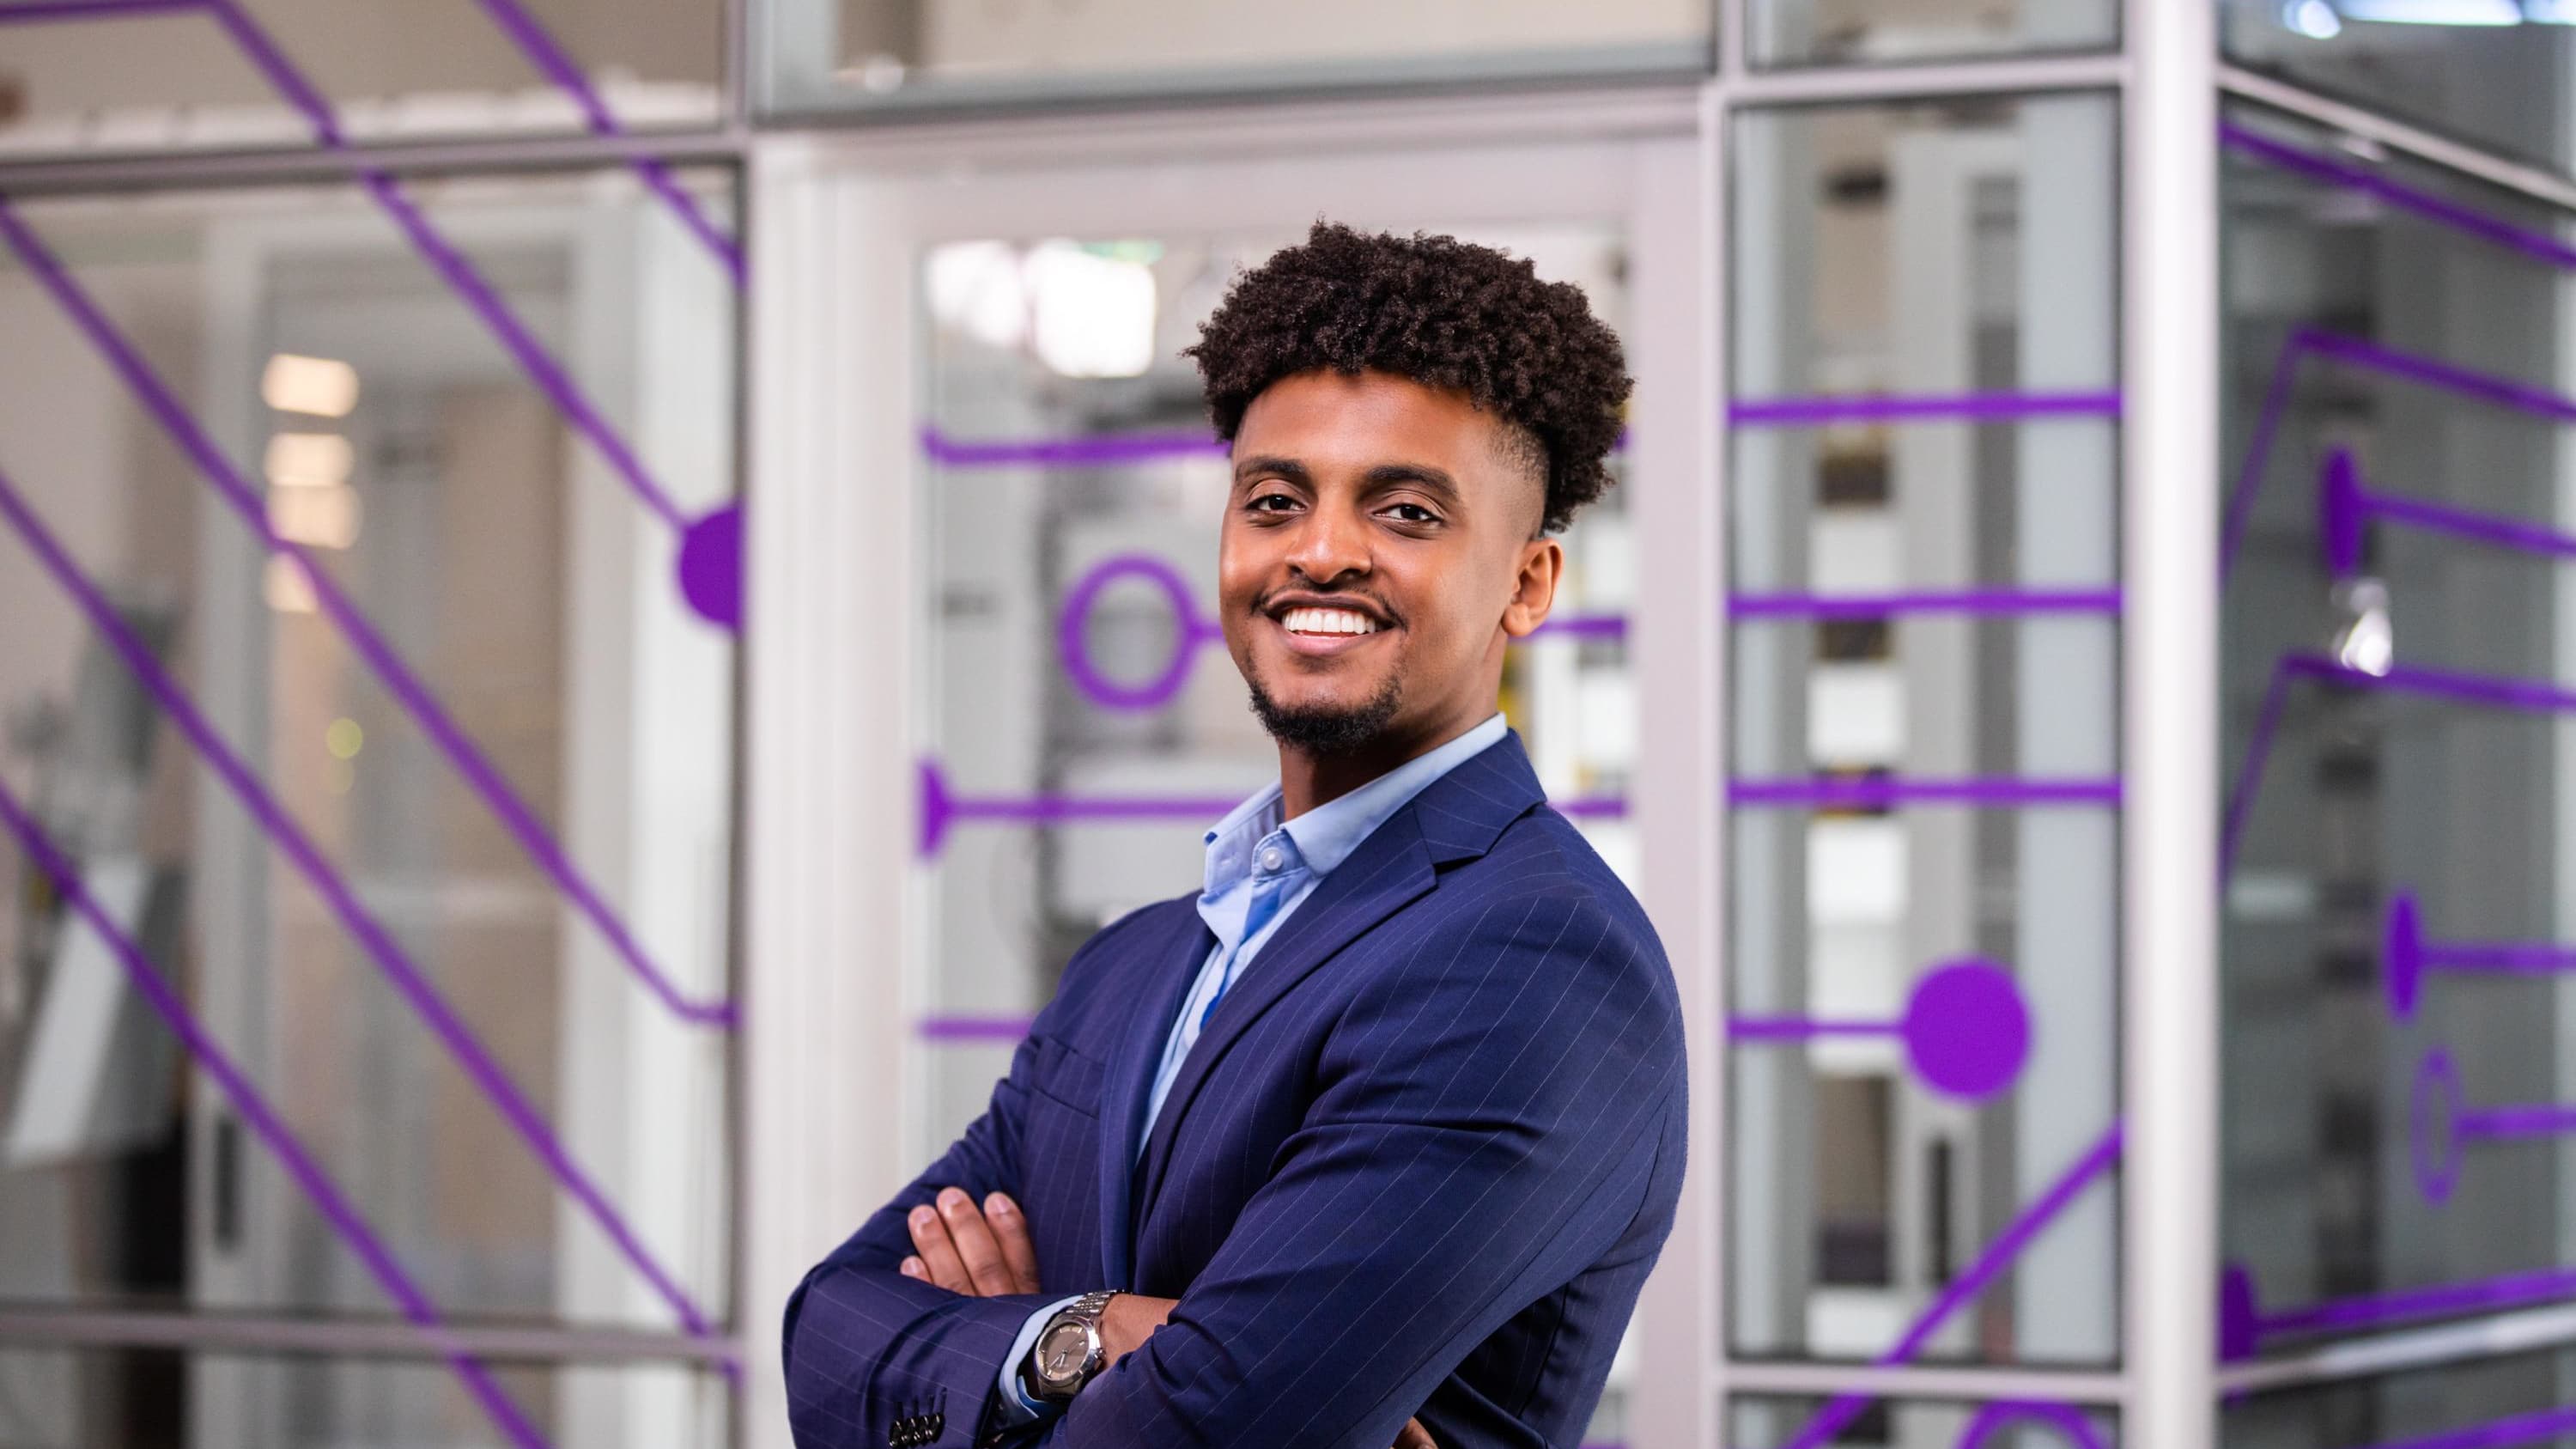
<point x="1326" y="729"/>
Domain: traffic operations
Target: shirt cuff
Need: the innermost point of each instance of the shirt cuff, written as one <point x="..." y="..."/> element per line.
<point x="1015" y="1407"/>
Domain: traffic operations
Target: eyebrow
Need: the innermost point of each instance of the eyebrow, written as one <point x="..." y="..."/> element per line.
<point x="1377" y="479"/>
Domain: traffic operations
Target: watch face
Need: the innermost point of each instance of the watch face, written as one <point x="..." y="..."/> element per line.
<point x="1061" y="1350"/>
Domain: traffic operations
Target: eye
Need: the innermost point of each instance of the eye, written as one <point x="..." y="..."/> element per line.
<point x="1412" y="513"/>
<point x="1273" y="501"/>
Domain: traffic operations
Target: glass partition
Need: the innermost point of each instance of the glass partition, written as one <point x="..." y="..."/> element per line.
<point x="1875" y="32"/>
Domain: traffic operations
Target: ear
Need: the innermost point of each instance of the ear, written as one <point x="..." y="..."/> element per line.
<point x="1534" y="587"/>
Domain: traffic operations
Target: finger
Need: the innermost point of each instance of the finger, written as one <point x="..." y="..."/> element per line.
<point x="1013" y="1232"/>
<point x="975" y="1245"/>
<point x="911" y="1268"/>
<point x="938" y="1254"/>
<point x="1414" y="1436"/>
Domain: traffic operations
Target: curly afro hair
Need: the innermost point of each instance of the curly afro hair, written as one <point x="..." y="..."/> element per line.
<point x="1444" y="313"/>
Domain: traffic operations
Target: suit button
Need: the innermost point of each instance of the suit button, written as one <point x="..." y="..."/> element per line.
<point x="938" y="1426"/>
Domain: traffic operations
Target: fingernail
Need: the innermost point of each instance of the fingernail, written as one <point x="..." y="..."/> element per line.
<point x="923" y="1217"/>
<point x="997" y="1204"/>
<point x="952" y="1197"/>
<point x="912" y="1267"/>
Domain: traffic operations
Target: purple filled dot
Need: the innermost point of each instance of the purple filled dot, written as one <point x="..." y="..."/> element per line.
<point x="2339" y="513"/>
<point x="2240" y="1320"/>
<point x="711" y="567"/>
<point x="1966" y="1029"/>
<point x="2434" y="1144"/>
<point x="2401" y="955"/>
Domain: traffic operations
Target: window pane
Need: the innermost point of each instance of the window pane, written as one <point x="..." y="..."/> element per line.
<point x="2473" y="68"/>
<point x="284" y="72"/>
<point x="2521" y="1399"/>
<point x="832" y="54"/>
<point x="1856" y="1420"/>
<point x="1924" y="882"/>
<point x="1878" y="32"/>
<point x="428" y="843"/>
<point x="2395" y="674"/>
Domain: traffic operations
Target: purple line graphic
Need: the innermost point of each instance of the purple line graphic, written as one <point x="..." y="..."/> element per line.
<point x="408" y="690"/>
<point x="1976" y="602"/>
<point x="39" y="11"/>
<point x="2441" y="1124"/>
<point x="263" y="1120"/>
<point x="1966" y="1029"/>
<point x="405" y="976"/>
<point x="1880" y="792"/>
<point x="2365" y="356"/>
<point x="2243" y="1325"/>
<point x="2542" y="1427"/>
<point x="2440" y="209"/>
<point x="1794" y="412"/>
<point x="2487" y="690"/>
<point x="1193" y="630"/>
<point x="1999" y="1255"/>
<point x="2405" y="956"/>
<point x="2001" y="1414"/>
<point x="941" y="809"/>
<point x="974" y="1028"/>
<point x="2346" y="504"/>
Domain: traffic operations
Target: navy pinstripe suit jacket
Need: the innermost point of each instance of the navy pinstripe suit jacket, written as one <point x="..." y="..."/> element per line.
<point x="1419" y="1162"/>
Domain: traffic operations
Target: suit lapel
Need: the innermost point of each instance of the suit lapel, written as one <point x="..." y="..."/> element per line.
<point x="1131" y="1081"/>
<point x="1456" y="817"/>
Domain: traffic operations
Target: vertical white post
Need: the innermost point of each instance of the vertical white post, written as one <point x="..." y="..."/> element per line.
<point x="1680" y="671"/>
<point x="2169" y="1179"/>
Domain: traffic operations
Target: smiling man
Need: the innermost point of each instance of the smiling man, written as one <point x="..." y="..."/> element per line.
<point x="1373" y="1138"/>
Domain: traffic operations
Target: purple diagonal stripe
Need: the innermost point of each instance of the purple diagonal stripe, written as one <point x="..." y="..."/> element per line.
<point x="2258" y="450"/>
<point x="975" y="1028"/>
<point x="2487" y="528"/>
<point x="2487" y="1294"/>
<point x="1096" y="452"/>
<point x="2459" y="217"/>
<point x="37" y="11"/>
<point x="2544" y="1426"/>
<point x="1885" y="407"/>
<point x="1990" y="1265"/>
<point x="1935" y="601"/>
<point x="2433" y="372"/>
<point x="407" y="688"/>
<point x="549" y="57"/>
<point x="406" y="978"/>
<point x="337" y="1211"/>
<point x="2001" y="791"/>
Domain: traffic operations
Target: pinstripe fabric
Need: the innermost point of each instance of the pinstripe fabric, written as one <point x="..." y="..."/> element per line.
<point x="1419" y="1161"/>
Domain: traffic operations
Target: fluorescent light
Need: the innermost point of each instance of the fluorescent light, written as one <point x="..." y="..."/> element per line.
<point x="2314" y="19"/>
<point x="322" y="386"/>
<point x="322" y="517"/>
<point x="2433" y="12"/>
<point x="309" y="460"/>
<point x="1092" y="315"/>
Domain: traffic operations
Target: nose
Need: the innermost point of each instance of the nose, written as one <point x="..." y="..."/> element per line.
<point x="1330" y="544"/>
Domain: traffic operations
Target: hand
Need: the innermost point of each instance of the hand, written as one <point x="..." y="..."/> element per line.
<point x="1414" y="1436"/>
<point x="1131" y="1318"/>
<point x="980" y="1252"/>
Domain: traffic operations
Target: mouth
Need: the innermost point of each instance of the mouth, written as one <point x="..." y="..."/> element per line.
<point x="1323" y="629"/>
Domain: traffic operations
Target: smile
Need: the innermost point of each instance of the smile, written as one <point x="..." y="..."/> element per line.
<point x="1328" y="621"/>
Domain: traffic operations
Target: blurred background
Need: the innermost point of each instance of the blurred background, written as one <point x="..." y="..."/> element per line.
<point x="595" y="596"/>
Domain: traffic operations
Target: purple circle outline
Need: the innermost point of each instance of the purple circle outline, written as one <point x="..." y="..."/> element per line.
<point x="2436" y="1073"/>
<point x="2401" y="955"/>
<point x="2065" y="1418"/>
<point x="1189" y="631"/>
<point x="1967" y="1029"/>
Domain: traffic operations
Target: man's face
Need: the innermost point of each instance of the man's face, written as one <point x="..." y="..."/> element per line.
<point x="1377" y="553"/>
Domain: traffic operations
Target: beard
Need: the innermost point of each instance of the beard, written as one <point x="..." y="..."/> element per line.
<point x="1326" y="729"/>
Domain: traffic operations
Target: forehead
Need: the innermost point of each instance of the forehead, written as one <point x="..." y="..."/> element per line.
<point x="1332" y="421"/>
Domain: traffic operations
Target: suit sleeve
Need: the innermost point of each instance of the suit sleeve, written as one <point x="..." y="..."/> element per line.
<point x="1484" y="1129"/>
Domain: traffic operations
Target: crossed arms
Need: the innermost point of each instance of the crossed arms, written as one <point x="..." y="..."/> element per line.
<point x="1481" y="1134"/>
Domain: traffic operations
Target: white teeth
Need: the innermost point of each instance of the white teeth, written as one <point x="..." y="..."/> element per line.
<point x="1329" y="621"/>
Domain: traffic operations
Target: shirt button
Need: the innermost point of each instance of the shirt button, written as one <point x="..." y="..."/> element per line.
<point x="1272" y="857"/>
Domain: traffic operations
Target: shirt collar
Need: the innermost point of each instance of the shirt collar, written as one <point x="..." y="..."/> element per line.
<point x="1326" y="835"/>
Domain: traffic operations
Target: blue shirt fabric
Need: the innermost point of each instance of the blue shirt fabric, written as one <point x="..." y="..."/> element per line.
<point x="1259" y="870"/>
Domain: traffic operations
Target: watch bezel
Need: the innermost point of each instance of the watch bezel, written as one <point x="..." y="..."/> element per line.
<point x="1084" y="1315"/>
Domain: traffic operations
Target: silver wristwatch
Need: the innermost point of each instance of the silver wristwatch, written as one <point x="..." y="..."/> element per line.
<point x="1069" y="1350"/>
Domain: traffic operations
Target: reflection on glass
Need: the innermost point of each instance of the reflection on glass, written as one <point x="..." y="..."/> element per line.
<point x="840" y="53"/>
<point x="347" y="812"/>
<point x="1923" y="886"/>
<point x="2494" y="71"/>
<point x="1875" y="32"/>
<point x="2394" y="746"/>
<point x="2520" y="1399"/>
<point x="1771" y="1422"/>
<point x="151" y="1398"/>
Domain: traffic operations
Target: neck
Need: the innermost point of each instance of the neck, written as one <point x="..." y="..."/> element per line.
<point x="1307" y="779"/>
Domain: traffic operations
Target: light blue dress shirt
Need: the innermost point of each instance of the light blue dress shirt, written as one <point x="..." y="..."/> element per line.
<point x="1259" y="869"/>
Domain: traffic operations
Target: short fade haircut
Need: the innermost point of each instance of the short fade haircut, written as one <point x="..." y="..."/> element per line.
<point x="1443" y="313"/>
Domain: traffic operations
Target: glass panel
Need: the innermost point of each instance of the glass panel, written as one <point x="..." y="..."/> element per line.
<point x="1880" y="32"/>
<point x="2518" y="1400"/>
<point x="154" y="1398"/>
<point x="835" y="54"/>
<point x="1857" y="1420"/>
<point x="430" y="843"/>
<point x="1074" y="500"/>
<point x="1924" y="884"/>
<point x="2491" y="71"/>
<point x="235" y="74"/>
<point x="2396" y="677"/>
